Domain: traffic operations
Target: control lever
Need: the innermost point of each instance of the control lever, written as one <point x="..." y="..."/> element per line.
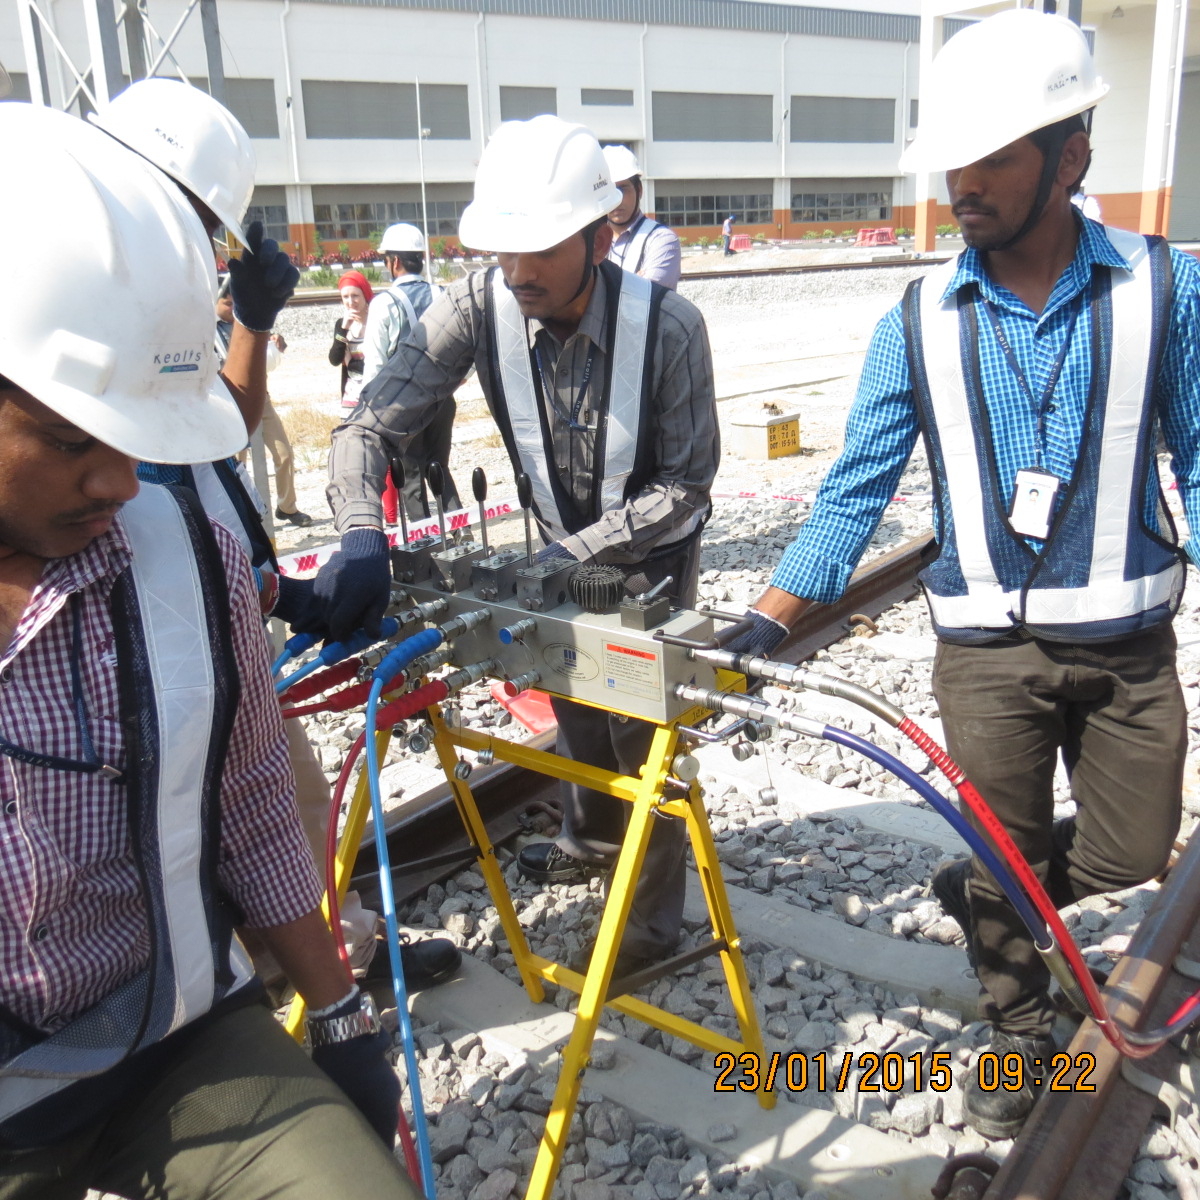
<point x="525" y="500"/>
<point x="663" y="583"/>
<point x="479" y="488"/>
<point x="397" y="471"/>
<point x="435" y="477"/>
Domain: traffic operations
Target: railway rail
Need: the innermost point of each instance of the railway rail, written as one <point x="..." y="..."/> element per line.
<point x="1076" y="1145"/>
<point x="330" y="295"/>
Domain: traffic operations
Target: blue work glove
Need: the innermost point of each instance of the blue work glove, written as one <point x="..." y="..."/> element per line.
<point x="261" y="281"/>
<point x="554" y="550"/>
<point x="296" y="605"/>
<point x="353" y="588"/>
<point x="360" y="1067"/>
<point x="755" y="634"/>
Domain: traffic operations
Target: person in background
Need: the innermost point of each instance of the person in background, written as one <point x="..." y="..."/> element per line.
<point x="727" y="233"/>
<point x="143" y="744"/>
<point x="640" y="244"/>
<point x="392" y="315"/>
<point x="348" y="332"/>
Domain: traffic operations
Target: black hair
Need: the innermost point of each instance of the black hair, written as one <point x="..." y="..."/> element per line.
<point x="6" y="384"/>
<point x="1051" y="138"/>
<point x="589" y="235"/>
<point x="410" y="260"/>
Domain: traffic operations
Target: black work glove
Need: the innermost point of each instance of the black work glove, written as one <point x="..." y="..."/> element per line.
<point x="353" y="588"/>
<point x="754" y="634"/>
<point x="261" y="281"/>
<point x="554" y="550"/>
<point x="360" y="1067"/>
<point x="297" y="606"/>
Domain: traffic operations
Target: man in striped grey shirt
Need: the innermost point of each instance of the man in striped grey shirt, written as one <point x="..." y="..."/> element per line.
<point x="544" y="331"/>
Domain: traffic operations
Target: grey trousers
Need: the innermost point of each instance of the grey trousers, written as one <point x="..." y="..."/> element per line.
<point x="1115" y="712"/>
<point x="431" y="445"/>
<point x="240" y="1113"/>
<point x="594" y="823"/>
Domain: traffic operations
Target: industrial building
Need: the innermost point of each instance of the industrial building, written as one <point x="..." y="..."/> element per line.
<point x="365" y="112"/>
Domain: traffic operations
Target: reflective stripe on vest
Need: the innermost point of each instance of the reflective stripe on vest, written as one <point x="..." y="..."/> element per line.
<point x="1108" y="596"/>
<point x="396" y="294"/>
<point x="627" y="347"/>
<point x="180" y="983"/>
<point x="219" y="505"/>
<point x="635" y="248"/>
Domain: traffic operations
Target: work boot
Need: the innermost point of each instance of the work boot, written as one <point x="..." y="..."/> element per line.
<point x="949" y="887"/>
<point x="1000" y="1113"/>
<point x="426" y="963"/>
<point x="545" y="862"/>
<point x="300" y="519"/>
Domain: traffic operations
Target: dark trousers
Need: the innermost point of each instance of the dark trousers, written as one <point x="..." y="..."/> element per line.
<point x="1115" y="712"/>
<point x="431" y="445"/>
<point x="594" y="823"/>
<point x="238" y="1112"/>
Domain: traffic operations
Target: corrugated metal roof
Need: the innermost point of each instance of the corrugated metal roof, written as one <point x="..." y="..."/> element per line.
<point x="705" y="14"/>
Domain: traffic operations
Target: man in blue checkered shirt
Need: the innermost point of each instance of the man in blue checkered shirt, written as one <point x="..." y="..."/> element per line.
<point x="1040" y="368"/>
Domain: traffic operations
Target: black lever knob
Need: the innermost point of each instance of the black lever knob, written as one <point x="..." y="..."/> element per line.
<point x="479" y="484"/>
<point x="397" y="469"/>
<point x="524" y="491"/>
<point x="436" y="478"/>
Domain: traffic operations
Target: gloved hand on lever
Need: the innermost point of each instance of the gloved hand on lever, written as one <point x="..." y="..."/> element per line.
<point x="755" y="634"/>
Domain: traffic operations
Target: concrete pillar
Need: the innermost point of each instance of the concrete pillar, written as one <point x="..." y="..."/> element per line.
<point x="105" y="49"/>
<point x="925" y="223"/>
<point x="1162" y="114"/>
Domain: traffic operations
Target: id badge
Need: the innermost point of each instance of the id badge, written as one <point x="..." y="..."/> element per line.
<point x="1033" y="503"/>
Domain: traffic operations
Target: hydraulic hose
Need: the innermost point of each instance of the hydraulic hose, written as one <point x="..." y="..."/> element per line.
<point x="335" y="652"/>
<point x="424" y="1152"/>
<point x="322" y="681"/>
<point x="411" y="1162"/>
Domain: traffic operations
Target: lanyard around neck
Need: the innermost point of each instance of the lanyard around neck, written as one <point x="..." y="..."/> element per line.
<point x="91" y="764"/>
<point x="1042" y="407"/>
<point x="572" y="417"/>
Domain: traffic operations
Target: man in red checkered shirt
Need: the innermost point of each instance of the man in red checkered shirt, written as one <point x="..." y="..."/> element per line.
<point x="146" y="803"/>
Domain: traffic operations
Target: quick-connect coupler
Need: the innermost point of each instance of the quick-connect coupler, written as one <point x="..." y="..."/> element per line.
<point x="521" y="683"/>
<point x="457" y="680"/>
<point x="517" y="632"/>
<point x="464" y="623"/>
<point x="428" y="662"/>
<point x="426" y="611"/>
<point x="751" y="709"/>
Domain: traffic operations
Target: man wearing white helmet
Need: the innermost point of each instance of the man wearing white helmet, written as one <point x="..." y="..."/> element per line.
<point x="571" y="352"/>
<point x="640" y="244"/>
<point x="1039" y="367"/>
<point x="390" y="317"/>
<point x="146" y="793"/>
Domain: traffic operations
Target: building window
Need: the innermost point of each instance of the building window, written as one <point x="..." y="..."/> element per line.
<point x="252" y="101"/>
<point x="366" y="222"/>
<point x="826" y="200"/>
<point x="522" y="103"/>
<point x="269" y="205"/>
<point x="342" y="110"/>
<point x="706" y="117"/>
<point x="913" y="107"/>
<point x="842" y="119"/>
<point x="610" y="97"/>
<point x="709" y="203"/>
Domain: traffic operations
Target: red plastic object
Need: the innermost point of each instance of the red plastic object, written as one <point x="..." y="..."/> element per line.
<point x="531" y="708"/>
<point x="740" y="241"/>
<point x="876" y="237"/>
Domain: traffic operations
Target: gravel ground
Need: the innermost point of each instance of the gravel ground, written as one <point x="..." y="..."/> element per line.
<point x="487" y="1113"/>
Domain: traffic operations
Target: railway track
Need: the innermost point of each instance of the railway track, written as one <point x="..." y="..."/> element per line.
<point x="1076" y="1145"/>
<point x="330" y="295"/>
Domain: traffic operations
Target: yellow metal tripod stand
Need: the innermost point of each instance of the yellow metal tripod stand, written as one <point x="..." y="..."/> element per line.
<point x="651" y="796"/>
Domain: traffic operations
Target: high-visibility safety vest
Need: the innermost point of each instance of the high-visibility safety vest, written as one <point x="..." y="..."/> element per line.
<point x="1102" y="572"/>
<point x="632" y="254"/>
<point x="624" y="443"/>
<point x="230" y="497"/>
<point x="179" y="689"/>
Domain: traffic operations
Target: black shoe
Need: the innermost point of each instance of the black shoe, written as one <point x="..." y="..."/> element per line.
<point x="949" y="886"/>
<point x="544" y="862"/>
<point x="298" y="518"/>
<point x="426" y="963"/>
<point x="1000" y="1113"/>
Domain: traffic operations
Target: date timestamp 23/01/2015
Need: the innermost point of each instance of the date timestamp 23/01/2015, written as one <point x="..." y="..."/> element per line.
<point x="867" y="1071"/>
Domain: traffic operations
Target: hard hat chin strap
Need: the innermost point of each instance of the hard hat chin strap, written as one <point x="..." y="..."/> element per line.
<point x="589" y="268"/>
<point x="1052" y="156"/>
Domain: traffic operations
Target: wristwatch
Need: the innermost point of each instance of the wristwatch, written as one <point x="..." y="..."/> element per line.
<point x="328" y="1031"/>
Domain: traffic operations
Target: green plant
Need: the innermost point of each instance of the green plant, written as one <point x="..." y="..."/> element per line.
<point x="829" y="235"/>
<point x="704" y="242"/>
<point x="810" y="235"/>
<point x="344" y="251"/>
<point x="947" y="230"/>
<point x="446" y="271"/>
<point x="903" y="231"/>
<point x="321" y="277"/>
<point x="374" y="275"/>
<point x="760" y="239"/>
<point x="318" y="245"/>
<point x="437" y="248"/>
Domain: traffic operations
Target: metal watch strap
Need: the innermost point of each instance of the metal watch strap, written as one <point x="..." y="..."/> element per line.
<point x="328" y="1031"/>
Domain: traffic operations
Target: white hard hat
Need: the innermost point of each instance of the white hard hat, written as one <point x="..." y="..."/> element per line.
<point x="402" y="239"/>
<point x="186" y="133"/>
<point x="538" y="182"/>
<point x="621" y="162"/>
<point x="999" y="80"/>
<point x="115" y="334"/>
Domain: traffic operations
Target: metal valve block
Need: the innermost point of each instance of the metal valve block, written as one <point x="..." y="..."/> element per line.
<point x="452" y="567"/>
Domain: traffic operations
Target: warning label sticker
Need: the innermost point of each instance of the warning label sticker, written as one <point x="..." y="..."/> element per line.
<point x="634" y="672"/>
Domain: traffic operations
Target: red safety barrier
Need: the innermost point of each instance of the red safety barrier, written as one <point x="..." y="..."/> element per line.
<point x="876" y="237"/>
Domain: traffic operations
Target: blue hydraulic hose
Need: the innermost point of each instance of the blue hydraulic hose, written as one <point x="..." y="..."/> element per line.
<point x="293" y="648"/>
<point x="412" y="647"/>
<point x="424" y="1153"/>
<point x="974" y="839"/>
<point x="332" y="653"/>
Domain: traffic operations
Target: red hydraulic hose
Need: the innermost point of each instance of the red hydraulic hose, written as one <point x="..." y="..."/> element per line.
<point x="350" y="697"/>
<point x="320" y="681"/>
<point x="335" y="924"/>
<point x="411" y="704"/>
<point x="1033" y="886"/>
